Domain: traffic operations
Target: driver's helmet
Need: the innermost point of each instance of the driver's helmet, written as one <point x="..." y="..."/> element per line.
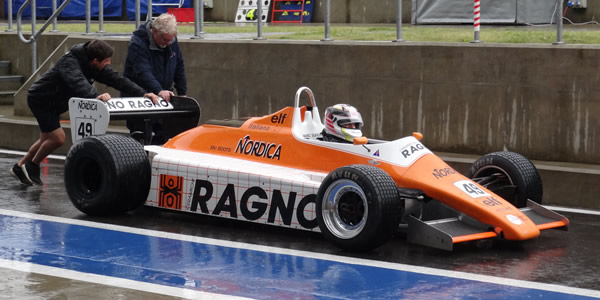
<point x="343" y="121"/>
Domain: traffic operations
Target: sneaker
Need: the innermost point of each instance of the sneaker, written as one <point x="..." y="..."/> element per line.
<point x="17" y="173"/>
<point x="32" y="171"/>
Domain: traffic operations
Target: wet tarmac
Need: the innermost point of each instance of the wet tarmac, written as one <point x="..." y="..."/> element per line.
<point x="564" y="258"/>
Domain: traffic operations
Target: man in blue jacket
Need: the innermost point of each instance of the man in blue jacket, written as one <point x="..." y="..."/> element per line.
<point x="72" y="76"/>
<point x="154" y="61"/>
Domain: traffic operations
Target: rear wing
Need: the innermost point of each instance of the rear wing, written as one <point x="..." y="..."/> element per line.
<point x="91" y="116"/>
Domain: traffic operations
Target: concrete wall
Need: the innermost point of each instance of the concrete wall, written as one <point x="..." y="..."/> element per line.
<point x="540" y="100"/>
<point x="20" y="54"/>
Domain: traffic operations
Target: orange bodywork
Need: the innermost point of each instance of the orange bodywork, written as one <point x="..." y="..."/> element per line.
<point x="269" y="139"/>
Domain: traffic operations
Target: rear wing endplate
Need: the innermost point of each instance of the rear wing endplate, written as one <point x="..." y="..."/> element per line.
<point x="91" y="116"/>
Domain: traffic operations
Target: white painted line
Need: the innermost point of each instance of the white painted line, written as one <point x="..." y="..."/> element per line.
<point x="314" y="255"/>
<point x="59" y="157"/>
<point x="112" y="281"/>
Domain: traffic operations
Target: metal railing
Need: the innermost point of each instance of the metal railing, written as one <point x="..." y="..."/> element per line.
<point x="199" y="20"/>
<point x="34" y="36"/>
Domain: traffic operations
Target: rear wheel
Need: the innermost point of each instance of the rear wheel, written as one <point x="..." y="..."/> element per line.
<point x="509" y="175"/>
<point x="358" y="207"/>
<point x="107" y="174"/>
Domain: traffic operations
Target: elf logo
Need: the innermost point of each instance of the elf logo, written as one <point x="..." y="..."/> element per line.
<point x="278" y="119"/>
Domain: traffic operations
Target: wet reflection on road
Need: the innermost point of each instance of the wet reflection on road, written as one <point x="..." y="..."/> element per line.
<point x="557" y="257"/>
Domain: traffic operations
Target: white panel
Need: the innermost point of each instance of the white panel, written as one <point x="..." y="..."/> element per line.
<point x="245" y="6"/>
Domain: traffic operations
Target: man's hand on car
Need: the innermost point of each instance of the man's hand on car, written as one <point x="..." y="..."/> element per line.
<point x="166" y="94"/>
<point x="104" y="97"/>
<point x="152" y="97"/>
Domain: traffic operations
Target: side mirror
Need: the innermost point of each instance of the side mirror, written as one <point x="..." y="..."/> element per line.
<point x="417" y="135"/>
<point x="360" y="140"/>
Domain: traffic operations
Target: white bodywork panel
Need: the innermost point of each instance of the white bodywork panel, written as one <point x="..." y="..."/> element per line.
<point x="241" y="189"/>
<point x="88" y="117"/>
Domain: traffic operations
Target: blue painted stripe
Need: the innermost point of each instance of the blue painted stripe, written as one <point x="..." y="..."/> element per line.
<point x="228" y="270"/>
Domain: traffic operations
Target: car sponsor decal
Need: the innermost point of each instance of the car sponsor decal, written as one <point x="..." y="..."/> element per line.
<point x="412" y="149"/>
<point x="220" y="148"/>
<point x="278" y="119"/>
<point x="443" y="172"/>
<point x="136" y="104"/>
<point x="491" y="201"/>
<point x="373" y="162"/>
<point x="258" y="148"/>
<point x="259" y="127"/>
<point x="470" y="188"/>
<point x="514" y="219"/>
<point x="170" y="191"/>
<point x="88" y="105"/>
<point x="376" y="153"/>
<point x="403" y="152"/>
<point x="253" y="203"/>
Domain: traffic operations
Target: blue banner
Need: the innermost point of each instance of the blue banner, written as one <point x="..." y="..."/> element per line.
<point x="156" y="10"/>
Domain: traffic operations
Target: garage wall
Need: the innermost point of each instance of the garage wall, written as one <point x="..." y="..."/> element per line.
<point x="467" y="98"/>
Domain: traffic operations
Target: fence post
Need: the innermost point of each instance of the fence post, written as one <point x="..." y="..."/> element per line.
<point x="149" y="11"/>
<point x="10" y="20"/>
<point x="259" y="30"/>
<point x="54" y="23"/>
<point x="559" y="23"/>
<point x="327" y="21"/>
<point x="476" y="21"/>
<point x="34" y="65"/>
<point x="137" y="14"/>
<point x="101" y="16"/>
<point x="198" y="19"/>
<point x="88" y="16"/>
<point x="399" y="22"/>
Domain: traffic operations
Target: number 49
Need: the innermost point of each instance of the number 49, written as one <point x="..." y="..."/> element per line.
<point x="84" y="129"/>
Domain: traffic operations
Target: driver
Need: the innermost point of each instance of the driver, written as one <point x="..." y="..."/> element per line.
<point x="342" y="123"/>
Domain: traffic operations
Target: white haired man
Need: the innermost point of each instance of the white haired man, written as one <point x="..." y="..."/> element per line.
<point x="154" y="62"/>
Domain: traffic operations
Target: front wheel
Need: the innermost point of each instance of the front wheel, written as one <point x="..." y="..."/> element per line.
<point x="358" y="208"/>
<point x="509" y="175"/>
<point x="107" y="174"/>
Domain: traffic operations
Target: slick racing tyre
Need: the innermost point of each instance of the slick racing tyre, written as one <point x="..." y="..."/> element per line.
<point x="107" y="174"/>
<point x="509" y="175"/>
<point x="358" y="207"/>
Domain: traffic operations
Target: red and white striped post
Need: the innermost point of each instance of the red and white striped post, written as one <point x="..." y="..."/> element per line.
<point x="476" y="21"/>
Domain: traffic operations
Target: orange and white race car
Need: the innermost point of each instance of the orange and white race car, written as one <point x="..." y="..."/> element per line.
<point x="277" y="170"/>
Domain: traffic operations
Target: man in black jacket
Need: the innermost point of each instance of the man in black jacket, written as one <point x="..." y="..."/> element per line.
<point x="155" y="62"/>
<point x="72" y="76"/>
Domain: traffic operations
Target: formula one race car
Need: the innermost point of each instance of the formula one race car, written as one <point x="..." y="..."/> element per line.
<point x="277" y="169"/>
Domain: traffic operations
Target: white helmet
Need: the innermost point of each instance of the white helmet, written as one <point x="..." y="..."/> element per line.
<point x="343" y="121"/>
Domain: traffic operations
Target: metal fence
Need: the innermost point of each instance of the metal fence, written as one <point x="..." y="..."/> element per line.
<point x="199" y="21"/>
